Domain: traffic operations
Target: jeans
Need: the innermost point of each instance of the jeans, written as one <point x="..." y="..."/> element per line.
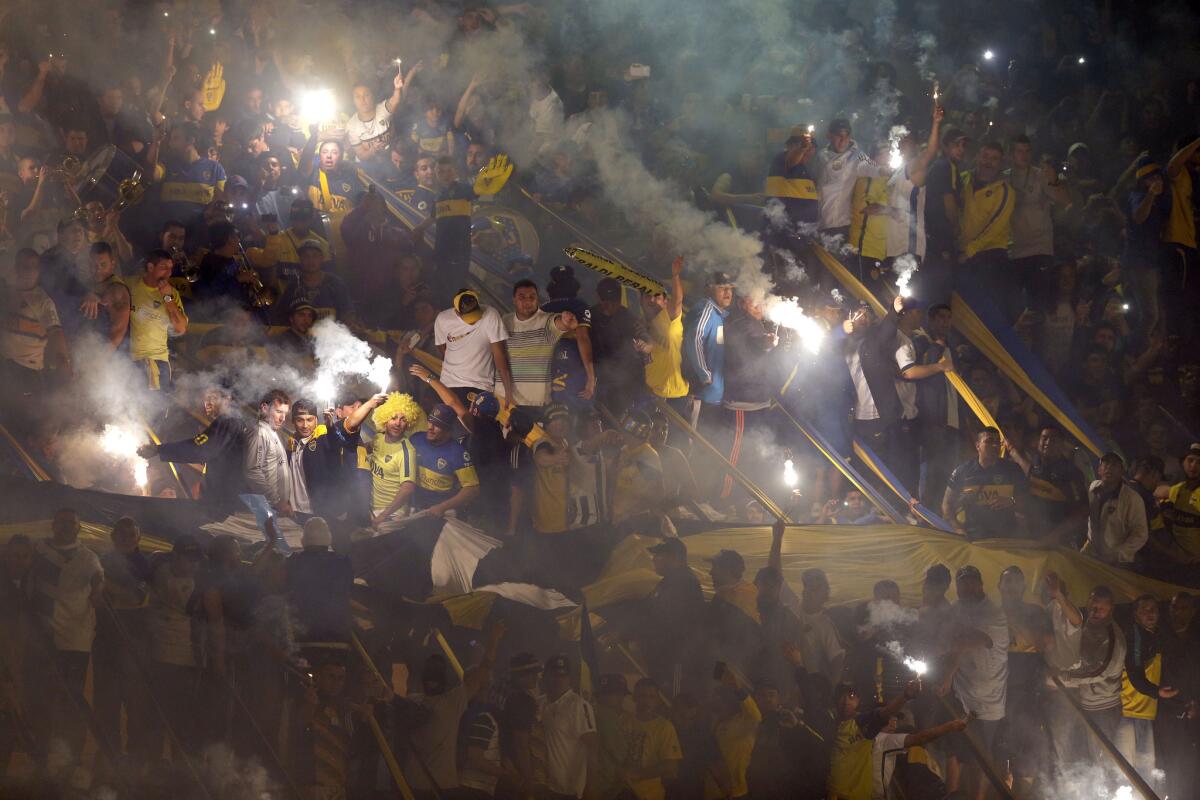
<point x="1135" y="740"/>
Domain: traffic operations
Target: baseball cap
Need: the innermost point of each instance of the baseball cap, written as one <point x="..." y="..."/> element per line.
<point x="612" y="684"/>
<point x="797" y="133"/>
<point x="608" y="289"/>
<point x="729" y="559"/>
<point x="300" y="305"/>
<point x="558" y="665"/>
<point x="672" y="546"/>
<point x="1075" y="148"/>
<point x="524" y="662"/>
<point x="442" y="415"/>
<point x="719" y="278"/>
<point x="636" y="423"/>
<point x="952" y="135"/>
<point x="310" y="244"/>
<point x="1146" y="165"/>
<point x="967" y="571"/>
<point x="485" y="404"/>
<point x="1193" y="450"/>
<point x="316" y="533"/>
<point x="839" y="124"/>
<point x="555" y="411"/>
<point x="187" y="546"/>
<point x="466" y="304"/>
<point x="237" y="182"/>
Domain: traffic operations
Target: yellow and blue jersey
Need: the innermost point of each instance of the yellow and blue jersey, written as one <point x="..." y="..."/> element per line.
<point x="442" y="470"/>
<point x="1182" y="515"/>
<point x="194" y="185"/>
<point x="793" y="188"/>
<point x="987" y="209"/>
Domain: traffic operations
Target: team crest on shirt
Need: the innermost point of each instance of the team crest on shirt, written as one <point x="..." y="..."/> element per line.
<point x="386" y="459"/>
<point x="441" y="463"/>
<point x="201" y="439"/>
<point x="422" y="205"/>
<point x="346" y="188"/>
<point x="312" y="446"/>
<point x="467" y="457"/>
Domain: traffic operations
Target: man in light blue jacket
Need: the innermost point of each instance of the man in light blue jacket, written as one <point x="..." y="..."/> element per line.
<point x="704" y="352"/>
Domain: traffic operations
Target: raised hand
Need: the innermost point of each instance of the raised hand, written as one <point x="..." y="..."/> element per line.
<point x="491" y="178"/>
<point x="214" y="87"/>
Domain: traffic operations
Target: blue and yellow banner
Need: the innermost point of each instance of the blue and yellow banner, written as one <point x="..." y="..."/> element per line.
<point x="978" y="319"/>
<point x="889" y="479"/>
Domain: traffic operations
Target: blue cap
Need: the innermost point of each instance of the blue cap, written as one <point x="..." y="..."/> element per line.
<point x="485" y="404"/>
<point x="443" y="416"/>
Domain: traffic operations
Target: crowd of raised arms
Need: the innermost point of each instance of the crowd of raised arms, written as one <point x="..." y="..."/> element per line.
<point x="207" y="208"/>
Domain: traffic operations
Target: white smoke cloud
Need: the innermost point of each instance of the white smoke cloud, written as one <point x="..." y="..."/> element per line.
<point x="340" y="356"/>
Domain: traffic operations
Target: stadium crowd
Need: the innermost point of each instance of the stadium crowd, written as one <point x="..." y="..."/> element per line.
<point x="189" y="217"/>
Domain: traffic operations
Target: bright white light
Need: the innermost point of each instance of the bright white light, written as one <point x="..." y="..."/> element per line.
<point x="906" y="291"/>
<point x="988" y="55"/>
<point x="212" y="31"/>
<point x="317" y="105"/>
<point x="788" y="314"/>
<point x="790" y="476"/>
<point x="380" y="372"/>
<point x="324" y="388"/>
<point x="1124" y="306"/>
<point x="166" y="13"/>
<point x="1082" y="60"/>
<point x="122" y="442"/>
<point x="916" y="665"/>
<point x="896" y="159"/>
<point x="812" y="128"/>
<point x="1124" y="793"/>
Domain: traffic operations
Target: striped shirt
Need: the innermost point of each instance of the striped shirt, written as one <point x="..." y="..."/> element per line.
<point x="530" y="348"/>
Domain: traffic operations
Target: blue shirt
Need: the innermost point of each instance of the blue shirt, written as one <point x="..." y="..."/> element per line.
<point x="704" y="351"/>
<point x="442" y="469"/>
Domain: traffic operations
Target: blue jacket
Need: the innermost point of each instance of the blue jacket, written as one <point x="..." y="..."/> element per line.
<point x="704" y="351"/>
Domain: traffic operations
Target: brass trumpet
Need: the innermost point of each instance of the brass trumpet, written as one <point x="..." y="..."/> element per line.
<point x="260" y="295"/>
<point x="130" y="192"/>
<point x="189" y="271"/>
<point x="69" y="167"/>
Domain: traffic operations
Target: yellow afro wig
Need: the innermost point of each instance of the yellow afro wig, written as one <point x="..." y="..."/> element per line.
<point x="405" y="406"/>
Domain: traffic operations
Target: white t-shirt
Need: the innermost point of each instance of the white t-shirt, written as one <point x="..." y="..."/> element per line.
<point x="358" y="131"/>
<point x="906" y="356"/>
<point x="437" y="740"/>
<point x="1032" y="224"/>
<point x="981" y="682"/>
<point x="864" y="401"/>
<point x="34" y="314"/>
<point x="565" y="721"/>
<point x="884" y="752"/>
<point x="819" y="643"/>
<point x="906" y="216"/>
<point x="63" y="579"/>
<point x="469" y="362"/>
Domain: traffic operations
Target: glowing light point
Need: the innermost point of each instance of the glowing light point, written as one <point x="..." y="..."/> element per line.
<point x="790" y="476"/>
<point x="1082" y="60"/>
<point x="812" y="128"/>
<point x="905" y="291"/>
<point x="212" y="31"/>
<point x="317" y="105"/>
<point x="916" y="665"/>
<point x="988" y="55"/>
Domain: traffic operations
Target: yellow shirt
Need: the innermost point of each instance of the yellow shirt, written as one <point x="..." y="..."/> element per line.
<point x="149" y="324"/>
<point x="986" y="222"/>
<point x="657" y="741"/>
<point x="664" y="374"/>
<point x="1182" y="514"/>
<point x="735" y="739"/>
<point x="393" y="464"/>
<point x="868" y="234"/>
<point x="1136" y="705"/>
<point x="850" y="768"/>
<point x="1181" y="225"/>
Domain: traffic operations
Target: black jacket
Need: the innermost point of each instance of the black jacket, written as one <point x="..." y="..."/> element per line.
<point x="748" y="345"/>
<point x="877" y="354"/>
<point x="220" y="447"/>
